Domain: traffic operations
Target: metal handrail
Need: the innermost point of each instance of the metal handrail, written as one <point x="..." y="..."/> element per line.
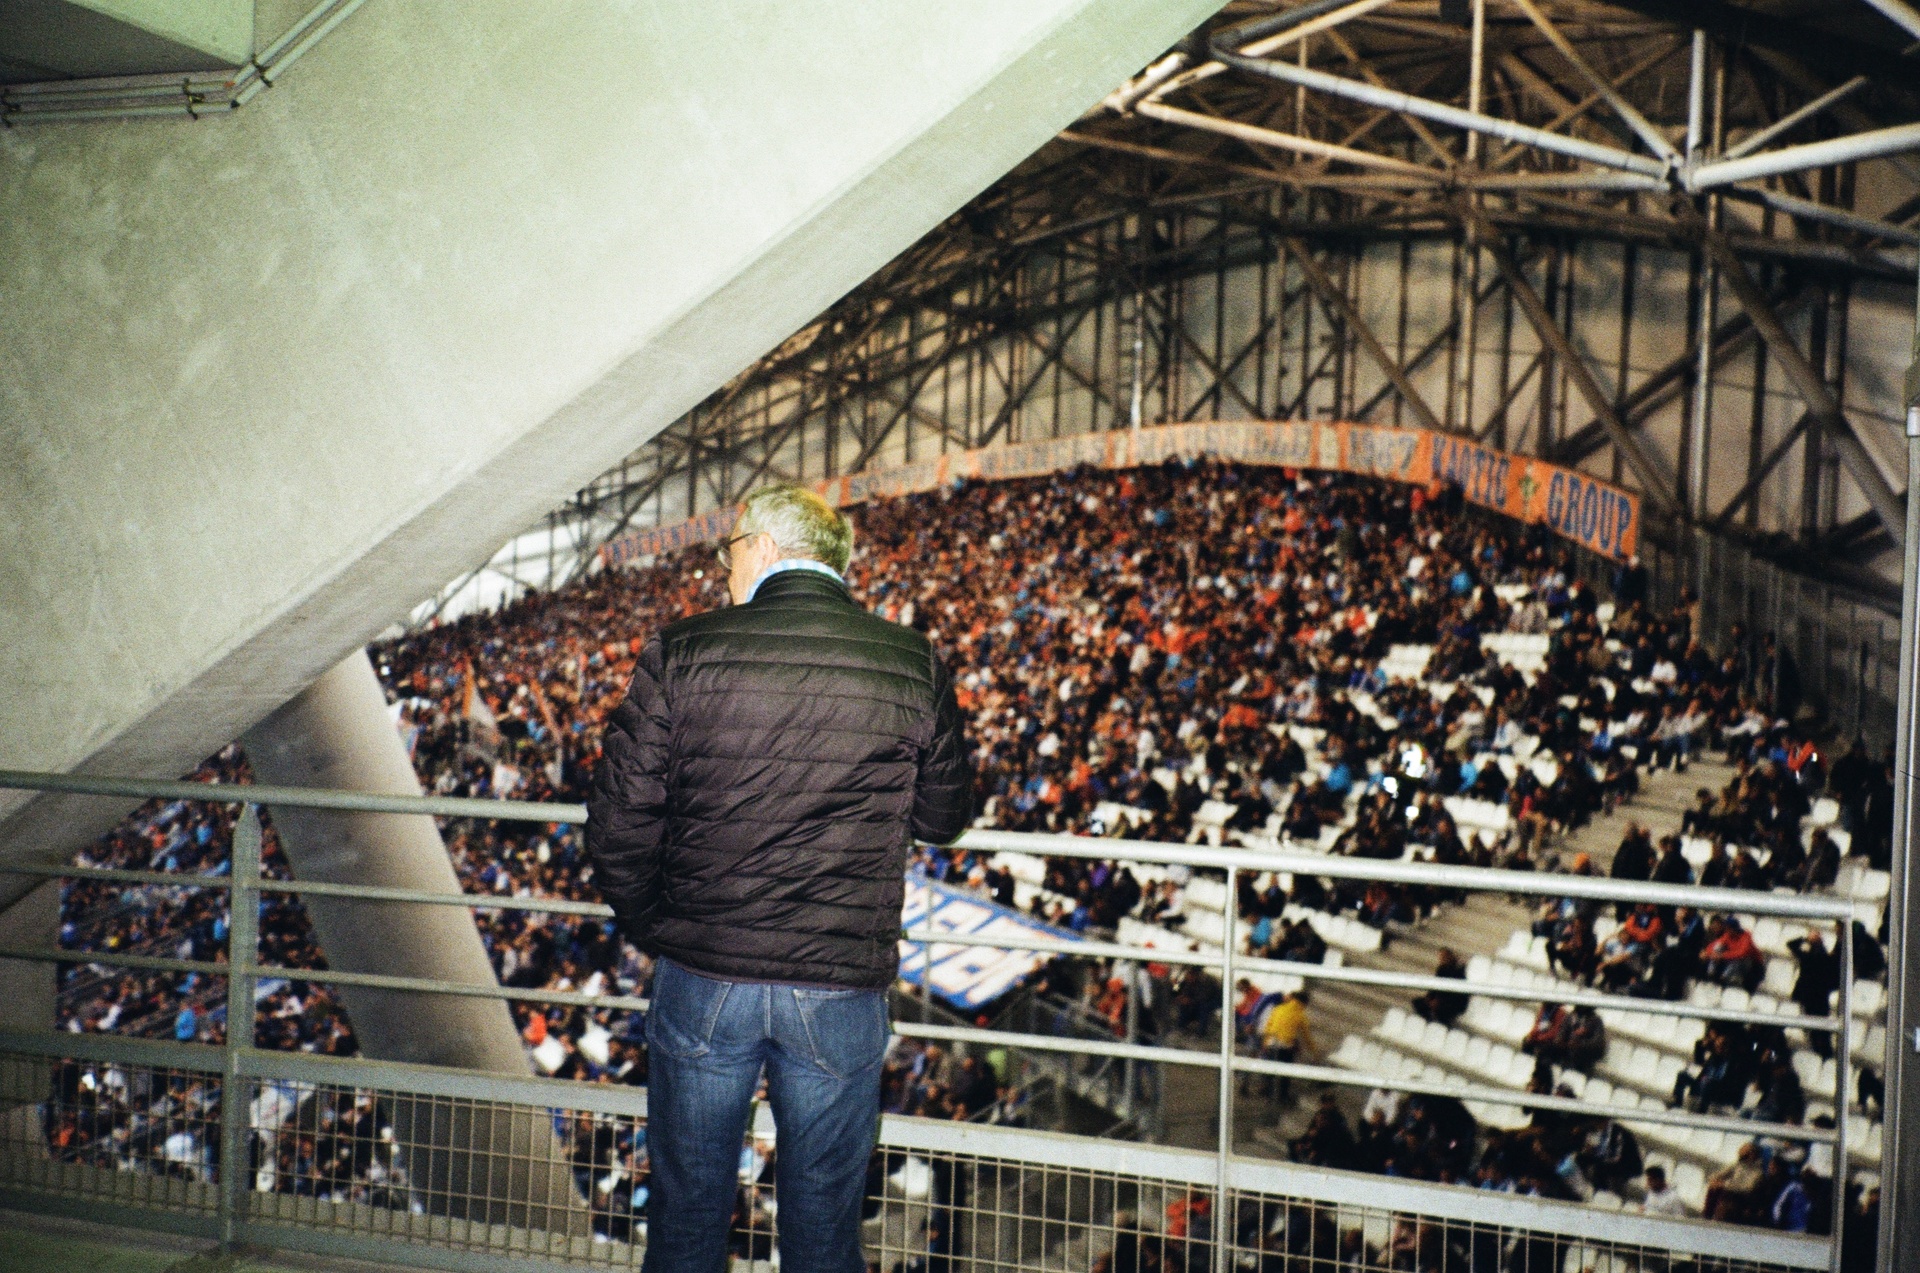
<point x="1054" y="845"/>
<point x="245" y="879"/>
<point x="1429" y="874"/>
<point x="293" y="797"/>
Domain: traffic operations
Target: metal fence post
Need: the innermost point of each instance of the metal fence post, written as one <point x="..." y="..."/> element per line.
<point x="243" y="940"/>
<point x="925" y="1004"/>
<point x="1230" y="938"/>
<point x="1842" y="1080"/>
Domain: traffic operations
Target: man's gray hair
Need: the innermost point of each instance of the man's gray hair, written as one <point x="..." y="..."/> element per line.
<point x="801" y="523"/>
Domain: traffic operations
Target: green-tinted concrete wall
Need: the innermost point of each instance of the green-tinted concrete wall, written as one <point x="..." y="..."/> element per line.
<point x="271" y="380"/>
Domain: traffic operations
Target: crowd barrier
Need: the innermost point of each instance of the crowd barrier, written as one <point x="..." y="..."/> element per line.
<point x="1591" y="513"/>
<point x="1023" y="1198"/>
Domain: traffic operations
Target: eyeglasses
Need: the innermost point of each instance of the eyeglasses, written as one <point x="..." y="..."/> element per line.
<point x="725" y="551"/>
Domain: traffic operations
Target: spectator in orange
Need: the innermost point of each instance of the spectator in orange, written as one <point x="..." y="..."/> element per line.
<point x="1732" y="958"/>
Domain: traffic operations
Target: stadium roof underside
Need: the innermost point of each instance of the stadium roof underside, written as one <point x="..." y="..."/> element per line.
<point x="1581" y="188"/>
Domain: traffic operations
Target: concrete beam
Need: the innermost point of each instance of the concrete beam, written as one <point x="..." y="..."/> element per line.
<point x="272" y="382"/>
<point x="58" y="39"/>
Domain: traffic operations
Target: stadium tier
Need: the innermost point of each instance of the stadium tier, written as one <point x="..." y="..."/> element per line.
<point x="1196" y="652"/>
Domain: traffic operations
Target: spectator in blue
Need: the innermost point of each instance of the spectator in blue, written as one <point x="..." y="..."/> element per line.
<point x="1793" y="1207"/>
<point x="186" y="1026"/>
<point x="1339" y="779"/>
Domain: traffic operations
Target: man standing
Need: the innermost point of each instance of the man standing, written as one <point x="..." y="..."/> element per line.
<point x="1813" y="989"/>
<point x="1285" y="1031"/>
<point x="749" y="824"/>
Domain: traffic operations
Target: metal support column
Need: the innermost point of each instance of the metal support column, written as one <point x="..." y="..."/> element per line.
<point x="1842" y="1076"/>
<point x="1900" y="1192"/>
<point x="1129" y="1069"/>
<point x="1701" y="433"/>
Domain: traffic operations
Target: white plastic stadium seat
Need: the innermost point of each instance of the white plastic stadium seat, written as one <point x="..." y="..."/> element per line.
<point x="1207" y="894"/>
<point x="1869" y="998"/>
<point x="1872" y="887"/>
<point x="1690" y="1182"/>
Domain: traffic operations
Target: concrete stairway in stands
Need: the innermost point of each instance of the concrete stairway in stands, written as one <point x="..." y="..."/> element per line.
<point x="1482" y="925"/>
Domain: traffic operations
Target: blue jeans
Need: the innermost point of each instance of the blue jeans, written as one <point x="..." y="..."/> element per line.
<point x="706" y="1043"/>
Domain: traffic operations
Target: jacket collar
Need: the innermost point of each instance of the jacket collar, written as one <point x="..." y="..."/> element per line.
<point x="790" y="563"/>
<point x="800" y="583"/>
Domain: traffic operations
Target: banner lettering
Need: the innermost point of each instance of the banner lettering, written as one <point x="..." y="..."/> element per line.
<point x="1592" y="513"/>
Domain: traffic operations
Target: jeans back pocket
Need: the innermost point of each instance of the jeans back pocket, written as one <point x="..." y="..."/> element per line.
<point x="846" y="1029"/>
<point x="684" y="1011"/>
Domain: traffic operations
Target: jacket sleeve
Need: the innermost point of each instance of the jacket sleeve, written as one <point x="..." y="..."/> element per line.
<point x="627" y="809"/>
<point x="943" y="790"/>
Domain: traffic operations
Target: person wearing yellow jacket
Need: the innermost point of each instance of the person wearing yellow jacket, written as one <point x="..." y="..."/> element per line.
<point x="1285" y="1032"/>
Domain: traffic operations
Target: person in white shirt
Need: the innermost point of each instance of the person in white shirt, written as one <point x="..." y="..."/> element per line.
<point x="1507" y="735"/>
<point x="183" y="1156"/>
<point x="1662" y="1198"/>
<point x="1672" y="740"/>
<point x="1383" y="1102"/>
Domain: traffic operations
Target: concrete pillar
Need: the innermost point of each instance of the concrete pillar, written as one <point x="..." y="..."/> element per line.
<point x="337" y="733"/>
<point x="27" y="989"/>
<point x="27" y="1002"/>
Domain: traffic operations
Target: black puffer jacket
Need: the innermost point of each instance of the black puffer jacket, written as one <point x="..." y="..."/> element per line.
<point x="759" y="787"/>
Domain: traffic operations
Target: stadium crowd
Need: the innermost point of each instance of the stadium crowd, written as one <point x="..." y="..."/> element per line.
<point x="1188" y="650"/>
<point x="188" y="838"/>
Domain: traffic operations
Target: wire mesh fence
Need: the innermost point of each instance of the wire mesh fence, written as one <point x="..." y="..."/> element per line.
<point x="426" y="1164"/>
<point x="121" y="1133"/>
<point x="949" y="1209"/>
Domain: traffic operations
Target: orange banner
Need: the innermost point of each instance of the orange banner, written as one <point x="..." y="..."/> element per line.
<point x="1600" y="517"/>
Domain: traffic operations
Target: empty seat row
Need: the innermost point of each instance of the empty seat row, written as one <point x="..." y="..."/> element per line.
<point x="1535" y="643"/>
<point x="1468" y="812"/>
<point x="1376" y="1056"/>
<point x="1676" y="1034"/>
<point x="1343" y="932"/>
